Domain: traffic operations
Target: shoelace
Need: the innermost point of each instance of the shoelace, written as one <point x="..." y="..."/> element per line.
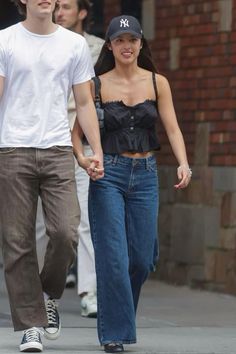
<point x="32" y="334"/>
<point x="51" y="312"/>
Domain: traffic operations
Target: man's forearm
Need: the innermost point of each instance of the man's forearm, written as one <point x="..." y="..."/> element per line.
<point x="88" y="121"/>
<point x="76" y="136"/>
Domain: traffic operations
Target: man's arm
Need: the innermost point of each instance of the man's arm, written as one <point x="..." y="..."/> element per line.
<point x="87" y="119"/>
<point x="2" y="79"/>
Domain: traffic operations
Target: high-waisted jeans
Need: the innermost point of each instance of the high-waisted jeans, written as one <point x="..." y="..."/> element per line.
<point x="123" y="208"/>
<point x="26" y="173"/>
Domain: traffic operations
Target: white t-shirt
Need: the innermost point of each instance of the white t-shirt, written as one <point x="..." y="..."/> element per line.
<point x="39" y="72"/>
<point x="95" y="45"/>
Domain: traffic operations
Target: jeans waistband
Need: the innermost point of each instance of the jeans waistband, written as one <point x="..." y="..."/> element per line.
<point x="130" y="161"/>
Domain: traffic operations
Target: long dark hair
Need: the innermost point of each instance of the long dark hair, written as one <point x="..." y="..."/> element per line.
<point x="106" y="61"/>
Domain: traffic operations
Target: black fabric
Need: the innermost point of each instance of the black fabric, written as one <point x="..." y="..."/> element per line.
<point x="98" y="104"/>
<point x="130" y="128"/>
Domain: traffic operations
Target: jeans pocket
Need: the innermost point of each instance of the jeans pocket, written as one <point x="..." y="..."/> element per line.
<point x="7" y="150"/>
<point x="64" y="148"/>
<point x="107" y="160"/>
<point x="152" y="167"/>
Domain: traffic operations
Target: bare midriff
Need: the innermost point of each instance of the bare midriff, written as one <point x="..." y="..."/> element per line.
<point x="138" y="155"/>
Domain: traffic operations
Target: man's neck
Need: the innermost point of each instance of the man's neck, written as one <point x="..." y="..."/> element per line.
<point x="40" y="26"/>
<point x="78" y="28"/>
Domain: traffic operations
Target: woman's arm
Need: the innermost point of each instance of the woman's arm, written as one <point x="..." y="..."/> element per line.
<point x="87" y="123"/>
<point x="168" y="117"/>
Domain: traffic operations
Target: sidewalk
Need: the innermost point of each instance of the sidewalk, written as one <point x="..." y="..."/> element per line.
<point x="171" y="320"/>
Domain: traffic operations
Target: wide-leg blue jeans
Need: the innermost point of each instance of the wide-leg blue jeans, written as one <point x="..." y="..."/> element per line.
<point x="123" y="208"/>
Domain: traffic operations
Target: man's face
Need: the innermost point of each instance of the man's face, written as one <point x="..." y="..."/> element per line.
<point x="67" y="14"/>
<point x="39" y="8"/>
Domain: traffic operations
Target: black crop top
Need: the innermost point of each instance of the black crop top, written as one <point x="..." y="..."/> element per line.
<point x="130" y="128"/>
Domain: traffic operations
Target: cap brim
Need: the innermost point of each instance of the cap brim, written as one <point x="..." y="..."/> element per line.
<point x="118" y="33"/>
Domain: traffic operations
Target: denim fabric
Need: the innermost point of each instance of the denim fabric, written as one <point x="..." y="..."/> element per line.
<point x="123" y="208"/>
<point x="25" y="174"/>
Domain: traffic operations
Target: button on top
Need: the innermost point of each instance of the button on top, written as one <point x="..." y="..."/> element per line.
<point x="132" y="117"/>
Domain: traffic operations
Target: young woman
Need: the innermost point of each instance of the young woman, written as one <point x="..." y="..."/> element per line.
<point x="123" y="206"/>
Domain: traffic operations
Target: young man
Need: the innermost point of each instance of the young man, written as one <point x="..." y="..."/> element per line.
<point x="75" y="16"/>
<point x="36" y="158"/>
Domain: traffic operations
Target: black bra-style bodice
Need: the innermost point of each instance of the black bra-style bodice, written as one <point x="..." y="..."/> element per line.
<point x="130" y="128"/>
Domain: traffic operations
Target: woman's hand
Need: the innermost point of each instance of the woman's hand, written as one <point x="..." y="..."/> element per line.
<point x="91" y="165"/>
<point x="184" y="174"/>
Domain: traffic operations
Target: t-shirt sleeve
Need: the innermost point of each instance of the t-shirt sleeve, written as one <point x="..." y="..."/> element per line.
<point x="83" y="70"/>
<point x="2" y="60"/>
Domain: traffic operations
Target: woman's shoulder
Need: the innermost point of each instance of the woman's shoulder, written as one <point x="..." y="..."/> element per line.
<point x="162" y="82"/>
<point x="161" y="78"/>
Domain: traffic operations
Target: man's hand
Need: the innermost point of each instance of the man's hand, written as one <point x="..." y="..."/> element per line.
<point x="93" y="165"/>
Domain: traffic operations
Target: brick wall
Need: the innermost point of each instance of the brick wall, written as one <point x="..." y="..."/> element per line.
<point x="194" y="45"/>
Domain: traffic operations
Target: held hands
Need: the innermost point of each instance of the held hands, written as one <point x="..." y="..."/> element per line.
<point x="95" y="170"/>
<point x="93" y="165"/>
<point x="184" y="174"/>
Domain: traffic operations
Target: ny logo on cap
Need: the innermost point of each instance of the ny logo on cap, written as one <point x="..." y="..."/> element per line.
<point x="124" y="22"/>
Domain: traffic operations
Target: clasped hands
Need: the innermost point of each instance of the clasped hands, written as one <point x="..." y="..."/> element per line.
<point x="93" y="165"/>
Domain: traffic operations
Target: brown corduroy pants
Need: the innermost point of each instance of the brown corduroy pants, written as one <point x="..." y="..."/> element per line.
<point x="26" y="173"/>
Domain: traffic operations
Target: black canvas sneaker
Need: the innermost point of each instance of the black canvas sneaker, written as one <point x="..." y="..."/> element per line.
<point x="31" y="341"/>
<point x="54" y="324"/>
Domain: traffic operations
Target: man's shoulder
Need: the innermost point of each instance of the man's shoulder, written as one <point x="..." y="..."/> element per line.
<point x="9" y="30"/>
<point x="73" y="36"/>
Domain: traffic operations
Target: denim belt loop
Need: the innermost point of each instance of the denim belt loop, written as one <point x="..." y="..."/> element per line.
<point x="115" y="159"/>
<point x="146" y="163"/>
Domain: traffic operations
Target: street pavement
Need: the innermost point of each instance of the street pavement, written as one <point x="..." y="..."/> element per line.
<point x="170" y="320"/>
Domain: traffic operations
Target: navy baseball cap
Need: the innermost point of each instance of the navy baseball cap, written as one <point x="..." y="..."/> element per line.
<point x="124" y="24"/>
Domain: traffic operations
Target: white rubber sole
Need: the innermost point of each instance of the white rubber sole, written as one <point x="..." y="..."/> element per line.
<point x="31" y="347"/>
<point x="52" y="336"/>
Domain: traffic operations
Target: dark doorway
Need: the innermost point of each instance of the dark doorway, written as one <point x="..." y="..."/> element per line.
<point x="133" y="8"/>
<point x="8" y="14"/>
<point x="97" y="18"/>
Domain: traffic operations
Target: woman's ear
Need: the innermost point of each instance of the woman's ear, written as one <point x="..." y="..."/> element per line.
<point x="109" y="46"/>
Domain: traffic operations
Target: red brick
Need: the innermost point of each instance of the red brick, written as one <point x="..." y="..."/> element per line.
<point x="222" y="160"/>
<point x="226" y="126"/>
<point x="228" y="115"/>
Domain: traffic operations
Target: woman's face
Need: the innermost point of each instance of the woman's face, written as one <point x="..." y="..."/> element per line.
<point x="126" y="48"/>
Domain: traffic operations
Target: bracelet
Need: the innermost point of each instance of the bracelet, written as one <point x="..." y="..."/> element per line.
<point x="190" y="172"/>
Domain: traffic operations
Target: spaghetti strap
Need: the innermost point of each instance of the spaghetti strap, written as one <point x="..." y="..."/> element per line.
<point x="155" y="85"/>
